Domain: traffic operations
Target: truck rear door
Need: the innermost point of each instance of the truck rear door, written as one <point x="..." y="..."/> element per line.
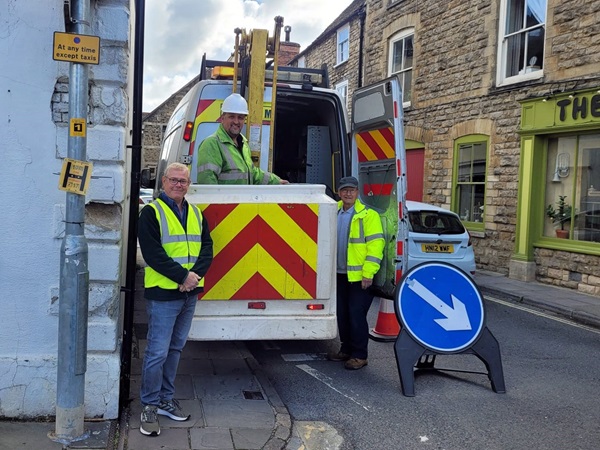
<point x="379" y="163"/>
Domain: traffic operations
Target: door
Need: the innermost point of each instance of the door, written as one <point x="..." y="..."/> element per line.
<point x="415" y="158"/>
<point x="379" y="163"/>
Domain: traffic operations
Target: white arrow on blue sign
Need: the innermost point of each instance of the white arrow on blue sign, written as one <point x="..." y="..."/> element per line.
<point x="440" y="306"/>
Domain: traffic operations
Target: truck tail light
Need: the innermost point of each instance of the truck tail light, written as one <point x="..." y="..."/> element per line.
<point x="257" y="305"/>
<point x="315" y="306"/>
<point x="187" y="132"/>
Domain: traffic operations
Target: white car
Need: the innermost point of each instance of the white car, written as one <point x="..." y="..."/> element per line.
<point x="437" y="234"/>
<point x="145" y="197"/>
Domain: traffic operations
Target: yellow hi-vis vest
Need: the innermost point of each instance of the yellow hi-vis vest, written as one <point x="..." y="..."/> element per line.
<point x="183" y="247"/>
<point x="365" y="243"/>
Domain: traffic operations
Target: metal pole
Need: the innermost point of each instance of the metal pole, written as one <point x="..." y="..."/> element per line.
<point x="136" y="162"/>
<point x="276" y="42"/>
<point x="74" y="275"/>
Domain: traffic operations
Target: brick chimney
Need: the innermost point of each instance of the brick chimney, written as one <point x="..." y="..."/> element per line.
<point x="287" y="50"/>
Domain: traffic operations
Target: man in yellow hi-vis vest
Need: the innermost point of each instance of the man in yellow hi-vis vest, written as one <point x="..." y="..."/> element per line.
<point x="176" y="245"/>
<point x="360" y="245"/>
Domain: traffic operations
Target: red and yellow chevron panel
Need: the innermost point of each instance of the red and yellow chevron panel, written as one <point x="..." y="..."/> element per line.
<point x="375" y="145"/>
<point x="262" y="251"/>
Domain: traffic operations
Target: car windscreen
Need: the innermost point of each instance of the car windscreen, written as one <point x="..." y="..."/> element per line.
<point x="433" y="222"/>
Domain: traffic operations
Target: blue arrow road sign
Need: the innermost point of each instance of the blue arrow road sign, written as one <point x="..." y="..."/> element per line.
<point x="440" y="306"/>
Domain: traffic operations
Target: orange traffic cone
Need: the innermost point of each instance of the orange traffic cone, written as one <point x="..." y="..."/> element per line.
<point x="387" y="327"/>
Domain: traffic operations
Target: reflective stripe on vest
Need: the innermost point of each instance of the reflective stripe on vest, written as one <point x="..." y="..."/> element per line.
<point x="235" y="173"/>
<point x="209" y="166"/>
<point x="357" y="246"/>
<point x="182" y="247"/>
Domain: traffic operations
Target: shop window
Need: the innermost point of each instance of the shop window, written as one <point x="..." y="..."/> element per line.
<point x="343" y="44"/>
<point x="522" y="34"/>
<point x="470" y="164"/>
<point x="401" y="61"/>
<point x="572" y="201"/>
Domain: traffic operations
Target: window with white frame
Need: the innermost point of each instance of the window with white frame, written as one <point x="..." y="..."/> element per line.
<point x="343" y="44"/>
<point x="401" y="61"/>
<point x="470" y="162"/>
<point x="342" y="88"/>
<point x="302" y="62"/>
<point x="522" y="34"/>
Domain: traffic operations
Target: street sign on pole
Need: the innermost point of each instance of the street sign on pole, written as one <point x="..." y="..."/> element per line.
<point x="76" y="48"/>
<point x="441" y="311"/>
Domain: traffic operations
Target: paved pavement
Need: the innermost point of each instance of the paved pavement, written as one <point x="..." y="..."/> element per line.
<point x="234" y="406"/>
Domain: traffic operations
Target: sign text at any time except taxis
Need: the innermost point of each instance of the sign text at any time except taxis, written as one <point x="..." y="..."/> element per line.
<point x="76" y="48"/>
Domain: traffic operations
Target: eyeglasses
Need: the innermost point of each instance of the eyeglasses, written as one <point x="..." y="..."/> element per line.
<point x="176" y="181"/>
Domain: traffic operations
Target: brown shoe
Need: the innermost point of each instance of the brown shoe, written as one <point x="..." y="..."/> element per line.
<point x="338" y="356"/>
<point x="355" y="363"/>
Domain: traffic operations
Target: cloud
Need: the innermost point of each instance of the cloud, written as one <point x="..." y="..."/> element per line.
<point x="179" y="32"/>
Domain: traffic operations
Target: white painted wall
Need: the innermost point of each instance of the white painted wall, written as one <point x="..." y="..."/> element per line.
<point x="33" y="133"/>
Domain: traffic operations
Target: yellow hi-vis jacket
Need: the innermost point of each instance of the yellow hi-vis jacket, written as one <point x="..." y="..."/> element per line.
<point x="183" y="247"/>
<point x="220" y="161"/>
<point x="365" y="243"/>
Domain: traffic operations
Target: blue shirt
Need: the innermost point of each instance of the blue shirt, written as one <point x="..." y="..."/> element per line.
<point x="171" y="203"/>
<point x="343" y="231"/>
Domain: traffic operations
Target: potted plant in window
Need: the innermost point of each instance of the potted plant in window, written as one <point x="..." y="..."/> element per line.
<point x="560" y="215"/>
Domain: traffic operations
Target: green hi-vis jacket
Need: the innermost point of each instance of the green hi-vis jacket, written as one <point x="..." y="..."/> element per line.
<point x="365" y="243"/>
<point x="220" y="161"/>
<point x="183" y="246"/>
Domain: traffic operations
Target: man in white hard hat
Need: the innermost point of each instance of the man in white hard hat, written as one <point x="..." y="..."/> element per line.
<point x="224" y="157"/>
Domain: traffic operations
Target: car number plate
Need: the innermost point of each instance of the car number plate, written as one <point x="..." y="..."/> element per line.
<point x="437" y="248"/>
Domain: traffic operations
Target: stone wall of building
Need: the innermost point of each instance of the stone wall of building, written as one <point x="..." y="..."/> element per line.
<point x="454" y="94"/>
<point x="325" y="52"/>
<point x="569" y="270"/>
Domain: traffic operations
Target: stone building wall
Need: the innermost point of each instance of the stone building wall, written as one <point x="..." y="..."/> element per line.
<point x="325" y="52"/>
<point x="569" y="270"/>
<point x="454" y="94"/>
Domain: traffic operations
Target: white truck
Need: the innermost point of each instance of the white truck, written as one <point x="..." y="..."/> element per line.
<point x="273" y="275"/>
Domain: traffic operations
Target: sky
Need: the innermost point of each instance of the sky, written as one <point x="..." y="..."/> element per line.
<point x="179" y="32"/>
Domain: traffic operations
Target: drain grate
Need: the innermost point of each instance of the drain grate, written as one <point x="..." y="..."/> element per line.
<point x="253" y="395"/>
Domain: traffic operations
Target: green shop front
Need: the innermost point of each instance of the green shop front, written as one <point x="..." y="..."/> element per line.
<point x="557" y="238"/>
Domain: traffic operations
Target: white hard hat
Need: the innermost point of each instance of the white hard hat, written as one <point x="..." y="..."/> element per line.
<point x="236" y="104"/>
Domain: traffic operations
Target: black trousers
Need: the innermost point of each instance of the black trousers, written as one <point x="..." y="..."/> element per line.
<point x="353" y="303"/>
